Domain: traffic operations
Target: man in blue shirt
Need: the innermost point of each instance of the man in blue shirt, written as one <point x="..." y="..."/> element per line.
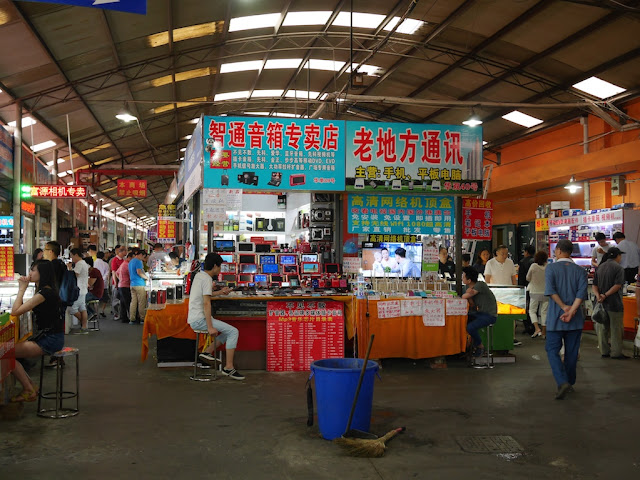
<point x="138" y="291"/>
<point x="566" y="284"/>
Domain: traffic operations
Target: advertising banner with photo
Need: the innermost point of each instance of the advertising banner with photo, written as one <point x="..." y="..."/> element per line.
<point x="274" y="153"/>
<point x="416" y="158"/>
<point x="477" y="219"/>
<point x="400" y="214"/>
<point x="301" y="332"/>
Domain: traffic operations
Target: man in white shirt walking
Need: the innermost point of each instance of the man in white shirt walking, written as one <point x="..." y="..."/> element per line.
<point x="79" y="307"/>
<point x="500" y="270"/>
<point x="200" y="318"/>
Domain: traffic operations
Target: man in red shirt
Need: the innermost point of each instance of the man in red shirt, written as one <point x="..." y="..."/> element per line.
<point x="96" y="283"/>
<point x="116" y="261"/>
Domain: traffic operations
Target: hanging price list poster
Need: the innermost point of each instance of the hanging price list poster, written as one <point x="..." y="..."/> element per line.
<point x="303" y="331"/>
<point x="6" y="263"/>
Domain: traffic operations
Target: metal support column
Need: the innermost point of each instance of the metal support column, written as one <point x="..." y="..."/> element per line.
<point x="17" y="178"/>
<point x="458" y="243"/>
<point x="54" y="202"/>
<point x="38" y="208"/>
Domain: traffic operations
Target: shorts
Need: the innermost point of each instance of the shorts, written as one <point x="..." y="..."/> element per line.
<point x="105" y="296"/>
<point x="78" y="306"/>
<point x="51" y="343"/>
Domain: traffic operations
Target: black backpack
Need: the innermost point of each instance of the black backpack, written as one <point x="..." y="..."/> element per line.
<point x="69" y="291"/>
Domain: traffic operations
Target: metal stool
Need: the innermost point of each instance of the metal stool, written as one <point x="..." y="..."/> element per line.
<point x="60" y="394"/>
<point x="636" y="350"/>
<point x="95" y="318"/>
<point x="488" y="358"/>
<point x="198" y="374"/>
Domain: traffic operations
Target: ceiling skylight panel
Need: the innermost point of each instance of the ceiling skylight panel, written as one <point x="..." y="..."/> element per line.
<point x="268" y="20"/>
<point x="360" y="20"/>
<point x="241" y="66"/>
<point x="230" y="96"/>
<point x="599" y="88"/>
<point x="298" y="19"/>
<point x="282" y="63"/>
<point x="43" y="146"/>
<point x="185" y="33"/>
<point x="301" y="94"/>
<point x="408" y="27"/>
<point x="522" y="119"/>
<point x="267" y="93"/>
<point x="330" y="65"/>
<point x="26" y="122"/>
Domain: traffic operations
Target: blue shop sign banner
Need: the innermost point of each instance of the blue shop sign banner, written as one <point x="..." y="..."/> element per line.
<point x="130" y="6"/>
<point x="419" y="158"/>
<point x="401" y="214"/>
<point x="274" y="154"/>
<point x="6" y="222"/>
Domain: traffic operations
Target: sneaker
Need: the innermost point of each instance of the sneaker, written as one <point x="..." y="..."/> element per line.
<point x="517" y="343"/>
<point x="103" y="315"/>
<point x="563" y="390"/>
<point x="81" y="331"/>
<point x="209" y="358"/>
<point x="479" y="352"/>
<point x="233" y="373"/>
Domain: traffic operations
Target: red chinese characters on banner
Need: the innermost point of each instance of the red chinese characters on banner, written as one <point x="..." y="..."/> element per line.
<point x="477" y="219"/>
<point x="132" y="188"/>
<point x="301" y="332"/>
<point x="58" y="191"/>
<point x="6" y="263"/>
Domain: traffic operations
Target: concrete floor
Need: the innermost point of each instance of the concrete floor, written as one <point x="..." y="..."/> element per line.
<point x="138" y="421"/>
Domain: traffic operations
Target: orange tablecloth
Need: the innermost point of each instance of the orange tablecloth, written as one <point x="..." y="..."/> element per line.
<point x="407" y="337"/>
<point x="172" y="320"/>
<point x="630" y="313"/>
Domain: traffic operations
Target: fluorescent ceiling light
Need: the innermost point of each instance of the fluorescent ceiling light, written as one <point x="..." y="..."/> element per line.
<point x="182" y="76"/>
<point x="302" y="94"/>
<point x="62" y="174"/>
<point x="324" y="96"/>
<point x="94" y="149"/>
<point x="69" y="172"/>
<point x="241" y="66"/>
<point x="181" y="158"/>
<point x="306" y="18"/>
<point x="472" y="121"/>
<point x="106" y="205"/>
<point x="408" y="27"/>
<point x="185" y="33"/>
<point x="282" y="63"/>
<point x="43" y="146"/>
<point x="231" y="95"/>
<point x="286" y="115"/>
<point x="187" y="137"/>
<point x="267" y="93"/>
<point x="522" y="119"/>
<point x="329" y="65"/>
<point x="69" y="183"/>
<point x="254" y="21"/>
<point x="599" y="88"/>
<point x="258" y="114"/>
<point x="26" y="122"/>
<point x="188" y="103"/>
<point x="130" y="208"/>
<point x="126" y="117"/>
<point x="195" y="120"/>
<point x="360" y="20"/>
<point x="183" y="149"/>
<point x="368" y="69"/>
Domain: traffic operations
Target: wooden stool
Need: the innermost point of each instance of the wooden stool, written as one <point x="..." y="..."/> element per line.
<point x="95" y="318"/>
<point x="60" y="394"/>
<point x="198" y="374"/>
<point x="488" y="358"/>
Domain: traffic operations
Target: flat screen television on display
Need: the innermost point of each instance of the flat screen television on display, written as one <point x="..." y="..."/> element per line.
<point x="248" y="268"/>
<point x="331" y="268"/>
<point x="245" y="278"/>
<point x="276" y="279"/>
<point x="294" y="282"/>
<point x="267" y="259"/>
<point x="288" y="260"/>
<point x="260" y="278"/>
<point x="227" y="257"/>
<point x="246" y="258"/>
<point x="290" y="269"/>
<point x="270" y="268"/>
<point x="228" y="277"/>
<point x="246" y="247"/>
<point x="309" y="257"/>
<point x="228" y="268"/>
<point x="387" y="259"/>
<point x="224" y="246"/>
<point x="310" y="267"/>
<point x="263" y="247"/>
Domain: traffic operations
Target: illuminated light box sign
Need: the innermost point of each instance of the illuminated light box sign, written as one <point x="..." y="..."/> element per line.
<point x="55" y="191"/>
<point x="401" y="214"/>
<point x="274" y="153"/>
<point x="132" y="188"/>
<point x="477" y="219"/>
<point x="6" y="222"/>
<point x="28" y="207"/>
<point x="415" y="158"/>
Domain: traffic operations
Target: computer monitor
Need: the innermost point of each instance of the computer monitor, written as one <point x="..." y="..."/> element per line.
<point x="228" y="268"/>
<point x="246" y="258"/>
<point x="227" y="257"/>
<point x="263" y="247"/>
<point x="245" y="278"/>
<point x="294" y="282"/>
<point x="248" y="268"/>
<point x="290" y="269"/>
<point x="276" y="279"/>
<point x="228" y="277"/>
<point x="246" y="247"/>
<point x="385" y="259"/>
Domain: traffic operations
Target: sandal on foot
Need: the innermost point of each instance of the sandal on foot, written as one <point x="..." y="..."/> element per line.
<point x="25" y="396"/>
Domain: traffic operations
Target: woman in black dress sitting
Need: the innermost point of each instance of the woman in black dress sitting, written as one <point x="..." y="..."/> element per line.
<point x="49" y="335"/>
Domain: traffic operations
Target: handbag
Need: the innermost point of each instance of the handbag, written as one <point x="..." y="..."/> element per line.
<point x="599" y="314"/>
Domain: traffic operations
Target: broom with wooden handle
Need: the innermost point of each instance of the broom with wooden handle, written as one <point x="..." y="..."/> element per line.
<point x="363" y="447"/>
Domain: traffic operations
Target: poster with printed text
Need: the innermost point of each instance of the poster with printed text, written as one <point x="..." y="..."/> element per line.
<point x="274" y="153"/>
<point x="401" y="214"/>
<point x="477" y="219"/>
<point x="416" y="158"/>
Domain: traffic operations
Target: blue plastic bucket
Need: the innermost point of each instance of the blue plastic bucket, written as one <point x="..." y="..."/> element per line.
<point x="336" y="383"/>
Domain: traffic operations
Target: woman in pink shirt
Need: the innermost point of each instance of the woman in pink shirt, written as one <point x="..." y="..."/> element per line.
<point x="124" y="288"/>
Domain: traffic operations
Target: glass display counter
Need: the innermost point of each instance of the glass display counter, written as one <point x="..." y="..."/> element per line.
<point x="8" y="294"/>
<point x="512" y="303"/>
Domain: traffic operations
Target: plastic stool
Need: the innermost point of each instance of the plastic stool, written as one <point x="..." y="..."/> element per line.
<point x="489" y="356"/>
<point x="95" y="318"/>
<point x="198" y="374"/>
<point x="60" y="394"/>
<point x="636" y="350"/>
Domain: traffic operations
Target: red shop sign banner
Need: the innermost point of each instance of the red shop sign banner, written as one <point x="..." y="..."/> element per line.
<point x="477" y="219"/>
<point x="132" y="188"/>
<point x="301" y="332"/>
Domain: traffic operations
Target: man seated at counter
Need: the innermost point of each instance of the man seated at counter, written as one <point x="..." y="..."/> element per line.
<point x="483" y="308"/>
<point x="200" y="318"/>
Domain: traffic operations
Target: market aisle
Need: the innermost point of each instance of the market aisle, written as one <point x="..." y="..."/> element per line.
<point x="138" y="421"/>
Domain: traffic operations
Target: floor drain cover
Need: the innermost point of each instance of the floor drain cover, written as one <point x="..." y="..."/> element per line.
<point x="489" y="444"/>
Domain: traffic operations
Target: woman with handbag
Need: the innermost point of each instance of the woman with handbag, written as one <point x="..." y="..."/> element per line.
<point x="49" y="336"/>
<point x="607" y="288"/>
